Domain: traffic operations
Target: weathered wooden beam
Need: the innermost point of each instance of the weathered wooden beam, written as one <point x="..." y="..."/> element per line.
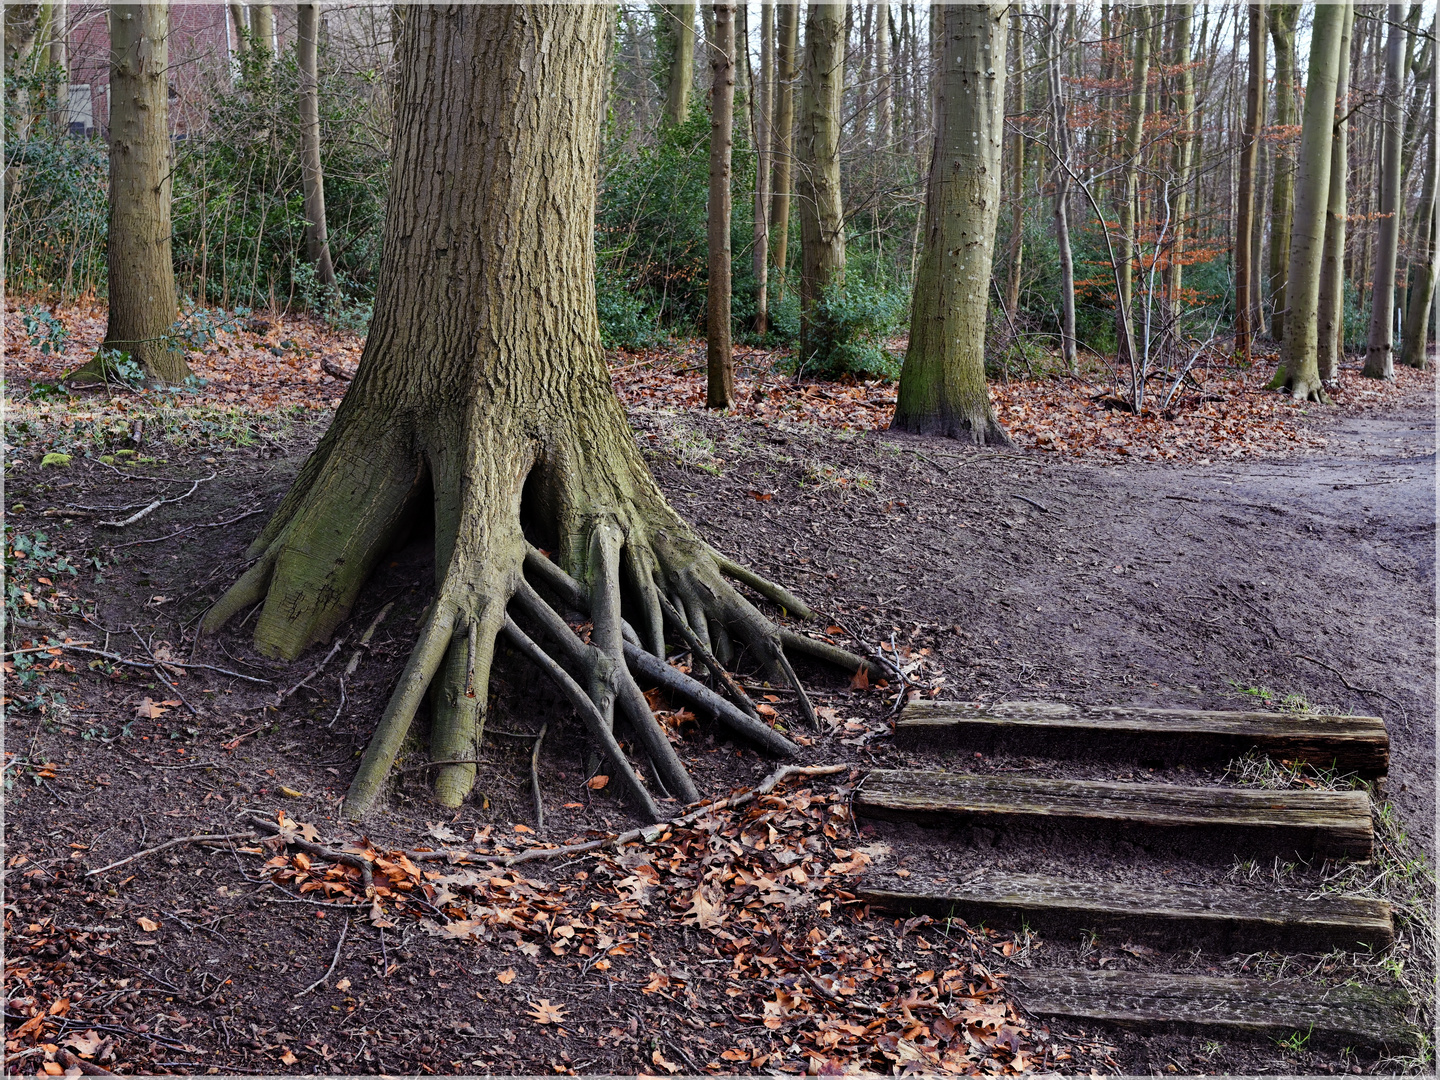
<point x="1324" y="822"/>
<point x="1224" y="920"/>
<point x="1357" y="744"/>
<point x="1277" y="1009"/>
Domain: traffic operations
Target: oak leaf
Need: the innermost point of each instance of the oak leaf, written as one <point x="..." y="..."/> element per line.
<point x="545" y="1013"/>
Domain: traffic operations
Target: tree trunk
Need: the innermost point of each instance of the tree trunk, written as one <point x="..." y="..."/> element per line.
<point x="1245" y="259"/>
<point x="1422" y="287"/>
<point x="1017" y="165"/>
<point x="241" y="26"/>
<point x="262" y="27"/>
<point x="764" y="152"/>
<point x="60" y="65"/>
<point x="942" y="386"/>
<point x="744" y="77"/>
<point x="822" y="217"/>
<point x="884" y="94"/>
<point x="787" y="42"/>
<point x="1331" y="313"/>
<point x="719" y="359"/>
<point x="483" y="398"/>
<point x="1134" y="135"/>
<point x="1061" y="126"/>
<point x="22" y="27"/>
<point x="1283" y="18"/>
<point x="1380" y="346"/>
<point x="1184" y="147"/>
<point x="1299" y="370"/>
<point x="680" y="25"/>
<point x="141" y="274"/>
<point x="317" y="242"/>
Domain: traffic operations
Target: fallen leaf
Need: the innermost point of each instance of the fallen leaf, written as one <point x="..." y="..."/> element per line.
<point x="860" y="680"/>
<point x="595" y="783"/>
<point x="148" y="925"/>
<point x="148" y="710"/>
<point x="288" y="1058"/>
<point x="707" y="909"/>
<point x="343" y="985"/>
<point x="506" y="977"/>
<point x="545" y="1013"/>
<point x="86" y="1045"/>
<point x="291" y="793"/>
<point x="657" y="1057"/>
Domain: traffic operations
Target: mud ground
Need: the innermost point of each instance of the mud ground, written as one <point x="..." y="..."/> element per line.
<point x="1025" y="576"/>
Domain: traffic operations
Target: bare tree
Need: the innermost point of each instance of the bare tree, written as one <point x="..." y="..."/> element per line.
<point x="1380" y="345"/>
<point x="719" y="358"/>
<point x="317" y="241"/>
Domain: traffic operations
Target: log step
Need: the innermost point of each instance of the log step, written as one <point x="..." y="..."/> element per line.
<point x="1325" y="822"/>
<point x="1278" y="1009"/>
<point x="1357" y="744"/>
<point x="1235" y="920"/>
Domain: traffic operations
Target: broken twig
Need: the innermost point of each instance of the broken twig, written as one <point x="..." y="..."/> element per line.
<point x="200" y="839"/>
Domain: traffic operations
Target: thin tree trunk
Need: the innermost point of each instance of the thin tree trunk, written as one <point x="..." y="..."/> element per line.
<point x="884" y="95"/>
<point x="1422" y="288"/>
<point x="787" y="42"/>
<point x="1283" y="18"/>
<point x="1017" y="164"/>
<point x="262" y="27"/>
<point x="142" y="303"/>
<point x="1380" y="346"/>
<point x="680" y="26"/>
<point x="764" y="143"/>
<point x="241" y="24"/>
<point x="1299" y="371"/>
<point x="822" y="216"/>
<point x="1134" y="135"/>
<point x="1245" y="196"/>
<point x="1184" y="147"/>
<point x="942" y="386"/>
<point x="1331" y="316"/>
<point x="719" y="359"/>
<point x="317" y="240"/>
<point x="1061" y="125"/>
<point x="744" y="77"/>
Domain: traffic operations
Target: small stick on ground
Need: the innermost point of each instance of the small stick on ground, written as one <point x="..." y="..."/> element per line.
<point x="1032" y="502"/>
<point x="282" y="695"/>
<point x="365" y="638"/>
<point x="153" y="505"/>
<point x="181" y="532"/>
<point x="116" y="658"/>
<point x="161" y="673"/>
<point x="344" y="929"/>
<point x="199" y="839"/>
<point x="535" y="778"/>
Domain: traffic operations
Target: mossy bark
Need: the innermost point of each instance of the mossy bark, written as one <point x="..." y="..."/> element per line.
<point x="1299" y="371"/>
<point x="141" y="274"/>
<point x="1184" y="146"/>
<point x="942" y="385"/>
<point x="680" y="27"/>
<point x="483" y="397"/>
<point x="822" y="214"/>
<point x="1331" y="315"/>
<point x="1422" y="284"/>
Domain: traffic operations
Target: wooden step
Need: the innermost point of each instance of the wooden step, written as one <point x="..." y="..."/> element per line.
<point x="1357" y="744"/>
<point x="1325" y="822"/>
<point x="1277" y="1009"/>
<point x="1225" y="920"/>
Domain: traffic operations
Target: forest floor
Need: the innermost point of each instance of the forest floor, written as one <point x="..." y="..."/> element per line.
<point x="1246" y="550"/>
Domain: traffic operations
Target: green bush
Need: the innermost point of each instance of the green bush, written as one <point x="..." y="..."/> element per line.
<point x="863" y="316"/>
<point x="57" y="212"/>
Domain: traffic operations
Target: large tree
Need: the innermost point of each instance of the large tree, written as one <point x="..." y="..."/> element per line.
<point x="1245" y="259"/>
<point x="1380" y="344"/>
<point x="1331" y="313"/>
<point x="141" y="274"/>
<point x="1185" y="140"/>
<point x="483" y="400"/>
<point x="1299" y="370"/>
<point x="679" y="27"/>
<point x="787" y="50"/>
<point x="1422" y="284"/>
<point x="1283" y="18"/>
<point x="822" y="215"/>
<point x="942" y="386"/>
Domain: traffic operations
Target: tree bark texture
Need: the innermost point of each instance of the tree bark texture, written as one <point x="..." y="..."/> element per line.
<point x="241" y="26"/>
<point x="817" y="188"/>
<point x="1244" y="259"/>
<point x="1061" y="127"/>
<point x="142" y="303"/>
<point x="317" y="242"/>
<point x="262" y="27"/>
<point x="1299" y="369"/>
<point x="1283" y="18"/>
<point x="1184" y="147"/>
<point x="483" y="399"/>
<point x="1134" y="137"/>
<point x="942" y="386"/>
<point x="787" y="50"/>
<point x="1380" y="344"/>
<point x="1331" y="313"/>
<point x="1422" y="285"/>
<point x="884" y="86"/>
<point x="719" y="358"/>
<point x="680" y="25"/>
<point x="764" y="152"/>
<point x="1017" y="165"/>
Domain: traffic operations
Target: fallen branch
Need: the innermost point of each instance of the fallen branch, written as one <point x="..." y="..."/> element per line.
<point x="181" y="532"/>
<point x="334" y="370"/>
<point x="40" y="648"/>
<point x="1352" y="687"/>
<point x="153" y="505"/>
<point x="71" y="1061"/>
<point x="535" y="778"/>
<point x="1032" y="502"/>
<point x="116" y="658"/>
<point x="282" y="695"/>
<point x="344" y="929"/>
<point x="199" y="839"/>
<point x="321" y="851"/>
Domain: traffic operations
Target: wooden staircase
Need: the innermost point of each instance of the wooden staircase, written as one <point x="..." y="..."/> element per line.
<point x="1212" y="820"/>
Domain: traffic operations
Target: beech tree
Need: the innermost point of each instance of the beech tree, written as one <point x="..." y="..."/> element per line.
<point x="1184" y="145"/>
<point x="141" y="273"/>
<point x="822" y="215"/>
<point x="1422" y="285"/>
<point x="787" y="48"/>
<point x="1299" y="370"/>
<point x="1380" y="344"/>
<point x="483" y="398"/>
<point x="1245" y="258"/>
<point x="262" y="27"/>
<point x="719" y="358"/>
<point x="1129" y="194"/>
<point x="1017" y="165"/>
<point x="317" y="242"/>
<point x="1331" y="313"/>
<point x="942" y="385"/>
<point x="1283" y="18"/>
<point x="764" y="113"/>
<point x="680" y="26"/>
